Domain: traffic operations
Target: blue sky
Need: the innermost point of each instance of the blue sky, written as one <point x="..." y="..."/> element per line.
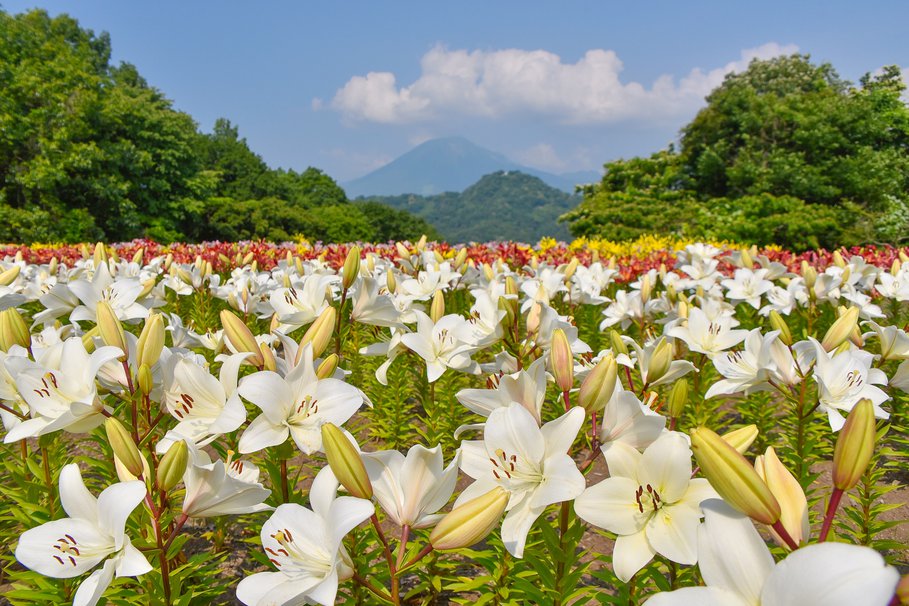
<point x="348" y="86"/>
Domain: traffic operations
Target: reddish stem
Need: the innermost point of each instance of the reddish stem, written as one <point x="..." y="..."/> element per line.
<point x="784" y="534"/>
<point x="830" y="514"/>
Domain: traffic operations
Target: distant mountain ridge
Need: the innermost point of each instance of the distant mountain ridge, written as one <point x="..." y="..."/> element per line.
<point x="446" y="165"/>
<point x="504" y="205"/>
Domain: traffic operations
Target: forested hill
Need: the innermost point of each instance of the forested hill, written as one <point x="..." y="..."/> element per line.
<point x="89" y="150"/>
<point x="505" y="205"/>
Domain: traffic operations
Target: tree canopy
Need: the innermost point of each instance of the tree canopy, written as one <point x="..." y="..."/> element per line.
<point x="818" y="160"/>
<point x="89" y="150"/>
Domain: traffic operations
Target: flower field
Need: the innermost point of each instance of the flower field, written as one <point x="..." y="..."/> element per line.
<point x="653" y="422"/>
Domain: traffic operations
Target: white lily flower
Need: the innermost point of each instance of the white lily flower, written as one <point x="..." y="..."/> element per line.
<point x="204" y="406"/>
<point x="305" y="546"/>
<point x="746" y="371"/>
<point x="120" y="293"/>
<point x="295" y="405"/>
<point x="748" y="285"/>
<point x="644" y="357"/>
<point x="93" y="532"/>
<point x="60" y="389"/>
<point x="628" y="307"/>
<point x="845" y="378"/>
<point x="708" y="335"/>
<point x="441" y="344"/>
<point x="219" y="488"/>
<point x="649" y="501"/>
<point x="370" y="306"/>
<point x="526" y="387"/>
<point x="739" y="571"/>
<point x="626" y="419"/>
<point x="411" y="489"/>
<point x="299" y="305"/>
<point x="528" y="461"/>
<point x="893" y="339"/>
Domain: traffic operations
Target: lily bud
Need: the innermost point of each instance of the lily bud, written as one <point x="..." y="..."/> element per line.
<point x="138" y="256"/>
<point x="345" y="462"/>
<point x="328" y="366"/>
<point x="173" y="465"/>
<point x="660" y="361"/>
<point x="618" y="345"/>
<point x="809" y="274"/>
<point x="470" y="522"/>
<point x="123" y="446"/>
<point x="248" y="258"/>
<point x="572" y="267"/>
<point x="561" y="360"/>
<point x="460" y="258"/>
<point x="241" y="337"/>
<point x="145" y="379"/>
<point x="533" y="318"/>
<point x="598" y="386"/>
<point x="733" y="477"/>
<point x="742" y="438"/>
<point x="268" y="358"/>
<point x="778" y="323"/>
<point x="13" y="330"/>
<point x="351" y="267"/>
<point x="747" y="261"/>
<point x="110" y="328"/>
<point x="9" y="276"/>
<point x="100" y="255"/>
<point x="319" y="333"/>
<point x="902" y="590"/>
<point x="646" y="288"/>
<point x="788" y="493"/>
<point x="421" y="243"/>
<point x="488" y="272"/>
<point x="678" y="397"/>
<point x="437" y="307"/>
<point x="683" y="308"/>
<point x="840" y="330"/>
<point x="391" y="282"/>
<point x="854" y="446"/>
<point x="838" y="259"/>
<point x="151" y="341"/>
<point x="88" y="339"/>
<point x="402" y="250"/>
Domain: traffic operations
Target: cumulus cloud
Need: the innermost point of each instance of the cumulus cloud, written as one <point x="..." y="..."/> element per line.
<point x="510" y="82"/>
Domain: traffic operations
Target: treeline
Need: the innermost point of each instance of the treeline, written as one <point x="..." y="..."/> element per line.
<point x="89" y="150"/>
<point x="784" y="153"/>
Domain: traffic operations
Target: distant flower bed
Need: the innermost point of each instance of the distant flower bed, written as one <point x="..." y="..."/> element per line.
<point x="658" y="421"/>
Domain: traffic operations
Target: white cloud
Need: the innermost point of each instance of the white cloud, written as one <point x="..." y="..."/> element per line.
<point x="507" y="82"/>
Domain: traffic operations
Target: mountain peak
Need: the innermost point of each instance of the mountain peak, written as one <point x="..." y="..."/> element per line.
<point x="445" y="164"/>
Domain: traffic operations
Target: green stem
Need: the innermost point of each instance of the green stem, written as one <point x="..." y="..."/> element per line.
<point x="560" y="567"/>
<point x="48" y="481"/>
<point x="285" y="488"/>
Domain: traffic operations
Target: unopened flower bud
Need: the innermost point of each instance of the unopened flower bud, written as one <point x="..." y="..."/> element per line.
<point x="460" y="258"/>
<point x="840" y="330"/>
<point x="788" y="493"/>
<point x="421" y="243"/>
<point x="646" y="288"/>
<point x="854" y="446"/>
<point x="13" y="330"/>
<point x="151" y="340"/>
<point x="437" y="307"/>
<point x="391" y="282"/>
<point x="902" y="590"/>
<point x="319" y="332"/>
<point x="88" y="338"/>
<point x="351" y="267"/>
<point x="571" y="268"/>
<point x="173" y="465"/>
<point x="8" y="276"/>
<point x="100" y="255"/>
<point x="733" y="477"/>
<point x="618" y="345"/>
<point x="488" y="272"/>
<point x="123" y="446"/>
<point x="747" y="261"/>
<point x="533" y="318"/>
<point x="345" y="462"/>
<point x="328" y="366"/>
<point x="470" y="522"/>
<point x="138" y="256"/>
<point x="110" y="328"/>
<point x="241" y="337"/>
<point x="402" y="250"/>
<point x="561" y="360"/>
<point x="598" y="386"/>
<point x="778" y="323"/>
<point x="678" y="397"/>
<point x="660" y="361"/>
<point x="742" y="438"/>
<point x="809" y="274"/>
<point x="838" y="259"/>
<point x="144" y="379"/>
<point x="268" y="358"/>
